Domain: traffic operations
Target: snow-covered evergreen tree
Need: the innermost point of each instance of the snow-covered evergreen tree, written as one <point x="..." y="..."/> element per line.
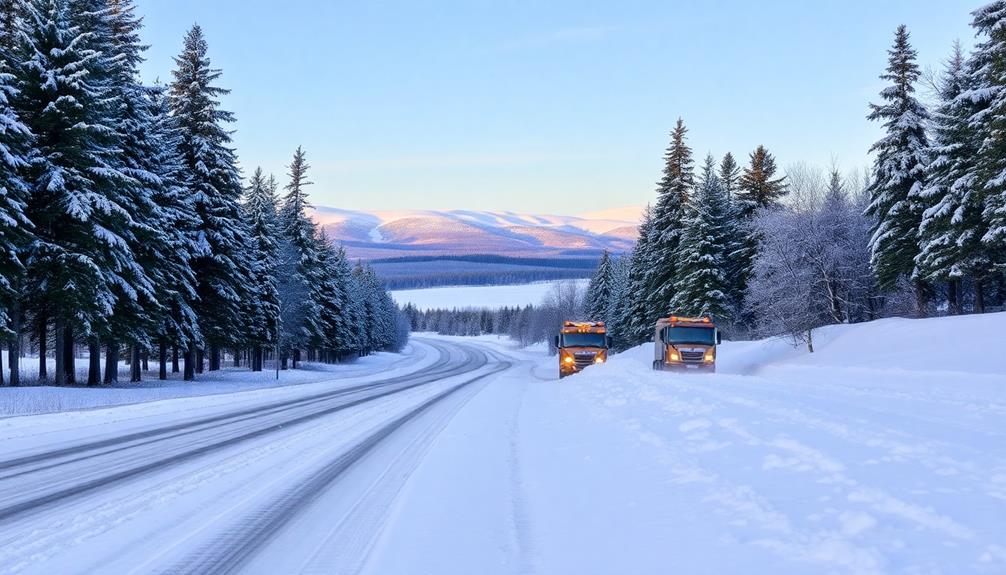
<point x="668" y="222"/>
<point x="950" y="232"/>
<point x="600" y="289"/>
<point x="702" y="286"/>
<point x="15" y="228"/>
<point x="329" y="294"/>
<point x="260" y="212"/>
<point x="988" y="93"/>
<point x="78" y="201"/>
<point x="176" y="323"/>
<point x="346" y="338"/>
<point x="353" y="337"/>
<point x="730" y="173"/>
<point x="619" y="300"/>
<point x="301" y="232"/>
<point x="364" y="281"/>
<point x="156" y="309"/>
<point x="635" y="321"/>
<point x="214" y="184"/>
<point x="15" y="143"/>
<point x="899" y="170"/>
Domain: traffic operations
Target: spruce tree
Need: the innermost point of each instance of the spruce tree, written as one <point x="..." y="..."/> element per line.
<point x="81" y="257"/>
<point x="177" y="324"/>
<point x="737" y="248"/>
<point x="11" y="13"/>
<point x="146" y="157"/>
<point x="600" y="289"/>
<point x="368" y="309"/>
<point x="701" y="280"/>
<point x="214" y="184"/>
<point x="730" y="173"/>
<point x="898" y="171"/>
<point x="329" y="295"/>
<point x="15" y="227"/>
<point x="758" y="187"/>
<point x="300" y="231"/>
<point x="635" y="319"/>
<point x="260" y="211"/>
<point x="619" y="300"/>
<point x="668" y="219"/>
<point x="348" y="337"/>
<point x="950" y="231"/>
<point x="988" y="74"/>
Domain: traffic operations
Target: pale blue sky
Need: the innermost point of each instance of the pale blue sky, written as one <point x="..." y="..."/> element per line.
<point x="556" y="107"/>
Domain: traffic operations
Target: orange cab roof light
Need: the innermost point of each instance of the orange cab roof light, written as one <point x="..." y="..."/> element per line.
<point x="703" y="319"/>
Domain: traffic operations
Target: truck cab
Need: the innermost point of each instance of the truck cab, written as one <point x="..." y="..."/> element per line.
<point x="581" y="344"/>
<point x="685" y="343"/>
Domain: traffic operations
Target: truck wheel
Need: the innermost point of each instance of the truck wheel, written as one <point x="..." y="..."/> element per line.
<point x="658" y="365"/>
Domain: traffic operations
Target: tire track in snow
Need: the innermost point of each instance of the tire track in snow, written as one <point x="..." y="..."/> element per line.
<point x="60" y="529"/>
<point x="16" y="500"/>
<point x="228" y="552"/>
<point x="346" y="548"/>
<point x="22" y="464"/>
<point x="522" y="540"/>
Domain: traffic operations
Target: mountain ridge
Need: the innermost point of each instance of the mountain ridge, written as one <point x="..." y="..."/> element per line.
<point x="380" y="234"/>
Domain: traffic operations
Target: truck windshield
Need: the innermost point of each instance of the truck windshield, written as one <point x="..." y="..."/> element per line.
<point x="697" y="335"/>
<point x="584" y="340"/>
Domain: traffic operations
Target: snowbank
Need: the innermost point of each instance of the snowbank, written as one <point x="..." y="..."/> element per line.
<point x="968" y="344"/>
<point x="884" y="452"/>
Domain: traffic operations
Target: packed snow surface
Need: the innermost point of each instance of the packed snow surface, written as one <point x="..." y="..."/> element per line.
<point x="492" y="297"/>
<point x="883" y="452"/>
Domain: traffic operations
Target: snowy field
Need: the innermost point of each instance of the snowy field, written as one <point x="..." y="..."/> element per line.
<point x="493" y="297"/>
<point x="882" y="453"/>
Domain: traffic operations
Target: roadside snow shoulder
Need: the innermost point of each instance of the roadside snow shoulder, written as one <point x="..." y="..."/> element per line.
<point x="225" y="386"/>
<point x="880" y="453"/>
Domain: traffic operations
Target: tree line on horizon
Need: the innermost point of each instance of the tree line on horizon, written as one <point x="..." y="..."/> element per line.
<point x="125" y="223"/>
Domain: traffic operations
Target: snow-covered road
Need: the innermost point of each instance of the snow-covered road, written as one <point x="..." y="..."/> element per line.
<point x="191" y="489"/>
<point x="477" y="460"/>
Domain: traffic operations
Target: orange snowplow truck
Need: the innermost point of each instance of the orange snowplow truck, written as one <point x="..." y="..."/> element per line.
<point x="581" y="343"/>
<point x="685" y="343"/>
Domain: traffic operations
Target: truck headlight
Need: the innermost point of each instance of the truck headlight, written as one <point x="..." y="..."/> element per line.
<point x="709" y="356"/>
<point x="568" y="359"/>
<point x="675" y="356"/>
<point x="599" y="359"/>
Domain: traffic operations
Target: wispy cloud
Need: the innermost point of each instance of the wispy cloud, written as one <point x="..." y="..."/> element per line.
<point x="559" y="36"/>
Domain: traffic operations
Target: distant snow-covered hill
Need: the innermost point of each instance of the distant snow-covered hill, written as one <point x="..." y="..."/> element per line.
<point x="389" y="234"/>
